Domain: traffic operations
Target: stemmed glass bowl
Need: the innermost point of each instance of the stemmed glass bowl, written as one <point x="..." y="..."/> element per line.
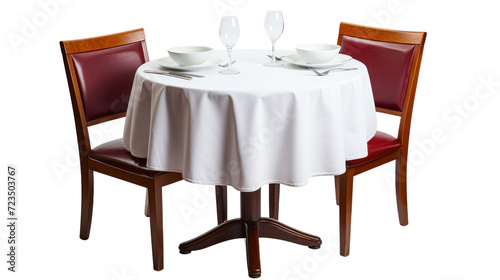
<point x="229" y="32"/>
<point x="274" y="25"/>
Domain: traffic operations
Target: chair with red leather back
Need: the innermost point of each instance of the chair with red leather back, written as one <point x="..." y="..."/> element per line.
<point x="393" y="61"/>
<point x="100" y="73"/>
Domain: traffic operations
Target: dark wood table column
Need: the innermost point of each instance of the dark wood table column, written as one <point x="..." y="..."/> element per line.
<point x="250" y="226"/>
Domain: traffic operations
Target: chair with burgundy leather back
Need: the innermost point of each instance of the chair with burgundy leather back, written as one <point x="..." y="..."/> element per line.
<point x="393" y="60"/>
<point x="100" y="73"/>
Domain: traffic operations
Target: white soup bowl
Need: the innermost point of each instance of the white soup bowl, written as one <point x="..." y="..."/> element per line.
<point x="317" y="53"/>
<point x="190" y="55"/>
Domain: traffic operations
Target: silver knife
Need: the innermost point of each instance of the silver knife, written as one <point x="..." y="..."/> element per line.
<point x="168" y="74"/>
<point x="173" y="73"/>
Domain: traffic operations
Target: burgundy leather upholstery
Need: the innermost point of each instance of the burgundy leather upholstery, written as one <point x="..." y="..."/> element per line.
<point x="388" y="65"/>
<point x="105" y="78"/>
<point x="113" y="153"/>
<point x="380" y="145"/>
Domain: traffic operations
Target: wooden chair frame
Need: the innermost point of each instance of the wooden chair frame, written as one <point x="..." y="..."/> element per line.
<point x="344" y="182"/>
<point x="88" y="166"/>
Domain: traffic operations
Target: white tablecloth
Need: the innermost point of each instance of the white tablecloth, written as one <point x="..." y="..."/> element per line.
<point x="264" y="125"/>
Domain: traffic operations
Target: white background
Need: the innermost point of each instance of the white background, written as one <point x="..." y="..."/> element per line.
<point x="453" y="186"/>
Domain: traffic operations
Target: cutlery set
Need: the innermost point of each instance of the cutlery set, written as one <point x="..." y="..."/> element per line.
<point x="324" y="73"/>
<point x="180" y="75"/>
<point x="190" y="76"/>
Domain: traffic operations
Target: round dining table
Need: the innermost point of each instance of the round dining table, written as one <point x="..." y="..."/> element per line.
<point x="265" y="125"/>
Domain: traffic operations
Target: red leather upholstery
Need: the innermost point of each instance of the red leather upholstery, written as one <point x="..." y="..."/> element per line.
<point x="105" y="78"/>
<point x="113" y="153"/>
<point x="380" y="145"/>
<point x="388" y="65"/>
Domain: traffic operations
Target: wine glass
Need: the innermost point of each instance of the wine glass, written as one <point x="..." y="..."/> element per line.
<point x="274" y="26"/>
<point x="229" y="32"/>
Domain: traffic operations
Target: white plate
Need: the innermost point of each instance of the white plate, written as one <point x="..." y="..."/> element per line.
<point x="168" y="62"/>
<point x="336" y="61"/>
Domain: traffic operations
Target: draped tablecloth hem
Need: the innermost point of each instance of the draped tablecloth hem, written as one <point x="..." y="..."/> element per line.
<point x="372" y="133"/>
<point x="363" y="154"/>
<point x="356" y="157"/>
<point x="252" y="189"/>
<point x="246" y="189"/>
<point x="133" y="153"/>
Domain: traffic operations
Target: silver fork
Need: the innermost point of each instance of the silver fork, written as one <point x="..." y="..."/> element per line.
<point x="329" y="70"/>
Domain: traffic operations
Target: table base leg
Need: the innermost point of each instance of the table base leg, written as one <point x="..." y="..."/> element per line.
<point x="253" y="249"/>
<point x="251" y="226"/>
<point x="228" y="230"/>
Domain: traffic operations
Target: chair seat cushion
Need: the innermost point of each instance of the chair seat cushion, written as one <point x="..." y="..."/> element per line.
<point x="114" y="154"/>
<point x="380" y="145"/>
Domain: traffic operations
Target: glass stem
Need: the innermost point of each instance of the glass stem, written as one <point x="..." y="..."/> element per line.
<point x="229" y="65"/>
<point x="274" y="44"/>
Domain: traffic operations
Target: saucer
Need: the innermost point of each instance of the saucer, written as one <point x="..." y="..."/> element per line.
<point x="336" y="61"/>
<point x="169" y="63"/>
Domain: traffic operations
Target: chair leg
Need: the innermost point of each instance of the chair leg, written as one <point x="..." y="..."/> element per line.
<point x="146" y="205"/>
<point x="221" y="201"/>
<point x="274" y="200"/>
<point x="345" y="201"/>
<point x="87" y="201"/>
<point x="401" y="196"/>
<point x="337" y="189"/>
<point x="156" y="223"/>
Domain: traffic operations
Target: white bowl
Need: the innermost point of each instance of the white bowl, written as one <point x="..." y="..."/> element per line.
<point x="317" y="53"/>
<point x="190" y="55"/>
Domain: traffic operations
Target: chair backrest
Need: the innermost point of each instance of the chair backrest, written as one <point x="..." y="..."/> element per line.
<point x="393" y="60"/>
<point x="100" y="73"/>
